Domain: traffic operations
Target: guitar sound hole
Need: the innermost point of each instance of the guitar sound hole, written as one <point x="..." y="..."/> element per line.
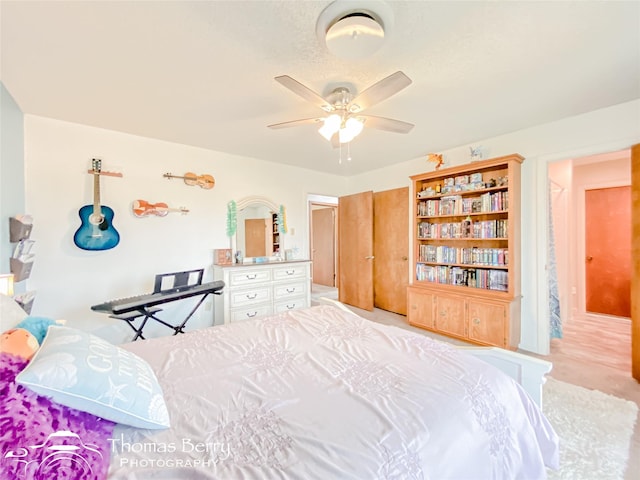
<point x="96" y="219"/>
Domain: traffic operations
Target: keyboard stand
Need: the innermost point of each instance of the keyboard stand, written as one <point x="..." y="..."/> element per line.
<point x="131" y="316"/>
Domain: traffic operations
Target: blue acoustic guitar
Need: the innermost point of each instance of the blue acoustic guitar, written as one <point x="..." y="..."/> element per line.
<point x="97" y="231"/>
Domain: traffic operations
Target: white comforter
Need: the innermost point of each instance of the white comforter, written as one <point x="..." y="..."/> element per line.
<point x="321" y="393"/>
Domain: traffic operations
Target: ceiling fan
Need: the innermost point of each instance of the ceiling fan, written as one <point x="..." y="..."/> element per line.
<point x="344" y="120"/>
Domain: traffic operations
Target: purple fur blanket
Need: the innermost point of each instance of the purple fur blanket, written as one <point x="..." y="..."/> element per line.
<point x="40" y="439"/>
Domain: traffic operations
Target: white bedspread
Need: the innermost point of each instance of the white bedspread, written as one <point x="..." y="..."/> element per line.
<point x="321" y="393"/>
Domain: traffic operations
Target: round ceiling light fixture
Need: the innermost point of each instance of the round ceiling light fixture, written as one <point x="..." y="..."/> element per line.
<point x="353" y="29"/>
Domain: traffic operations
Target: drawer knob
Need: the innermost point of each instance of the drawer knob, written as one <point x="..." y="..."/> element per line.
<point x="251" y="296"/>
<point x="250" y="315"/>
<point x="290" y="272"/>
<point x="291" y="307"/>
<point x="251" y="276"/>
<point x="291" y="290"/>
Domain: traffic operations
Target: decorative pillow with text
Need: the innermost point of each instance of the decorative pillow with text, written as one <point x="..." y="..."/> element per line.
<point x="85" y="372"/>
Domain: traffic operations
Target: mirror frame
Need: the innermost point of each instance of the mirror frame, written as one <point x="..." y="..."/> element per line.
<point x="244" y="203"/>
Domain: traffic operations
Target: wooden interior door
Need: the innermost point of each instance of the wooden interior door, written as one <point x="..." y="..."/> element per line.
<point x="391" y="249"/>
<point x="255" y="237"/>
<point x="323" y="254"/>
<point x="608" y="251"/>
<point x="355" y="250"/>
<point x="635" y="282"/>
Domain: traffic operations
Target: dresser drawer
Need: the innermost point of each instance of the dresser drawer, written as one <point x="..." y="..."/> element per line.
<point x="289" y="290"/>
<point x="251" y="296"/>
<point x="290" y="271"/>
<point x="294" y="303"/>
<point x="248" y="277"/>
<point x="250" y="313"/>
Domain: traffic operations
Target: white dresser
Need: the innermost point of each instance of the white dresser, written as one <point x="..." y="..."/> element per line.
<point x="258" y="289"/>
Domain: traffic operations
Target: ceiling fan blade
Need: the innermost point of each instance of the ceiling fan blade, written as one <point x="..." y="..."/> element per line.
<point x="388" y="124"/>
<point x="295" y="123"/>
<point x="306" y="93"/>
<point x="379" y="91"/>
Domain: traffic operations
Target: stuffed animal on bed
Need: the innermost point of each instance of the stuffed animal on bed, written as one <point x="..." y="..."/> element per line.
<point x="38" y="326"/>
<point x="20" y="342"/>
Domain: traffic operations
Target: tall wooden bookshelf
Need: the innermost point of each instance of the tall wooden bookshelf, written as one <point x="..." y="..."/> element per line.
<point x="466" y="238"/>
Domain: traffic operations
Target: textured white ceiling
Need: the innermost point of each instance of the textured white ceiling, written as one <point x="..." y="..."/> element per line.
<point x="201" y="73"/>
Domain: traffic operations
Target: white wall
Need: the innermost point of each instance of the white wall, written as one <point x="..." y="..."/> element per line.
<point x="605" y="130"/>
<point x="69" y="280"/>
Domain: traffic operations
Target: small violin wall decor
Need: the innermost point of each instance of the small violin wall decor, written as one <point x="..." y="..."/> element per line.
<point x="204" y="181"/>
<point x="142" y="208"/>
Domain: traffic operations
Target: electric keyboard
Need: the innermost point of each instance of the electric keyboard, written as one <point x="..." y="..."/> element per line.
<point x="130" y="304"/>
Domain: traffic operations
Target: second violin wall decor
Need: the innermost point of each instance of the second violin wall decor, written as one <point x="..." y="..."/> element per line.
<point x="203" y="181"/>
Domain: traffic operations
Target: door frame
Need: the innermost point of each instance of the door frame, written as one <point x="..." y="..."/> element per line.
<point x="538" y="188"/>
<point x="334" y="208"/>
<point x="324" y="201"/>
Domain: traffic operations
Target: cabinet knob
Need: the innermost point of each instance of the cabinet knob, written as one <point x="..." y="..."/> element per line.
<point x="443" y="313"/>
<point x="369" y="257"/>
<point x="476" y="321"/>
<point x="589" y="258"/>
<point x="404" y="258"/>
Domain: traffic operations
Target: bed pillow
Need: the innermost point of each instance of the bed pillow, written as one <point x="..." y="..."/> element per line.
<point x="85" y="372"/>
<point x="10" y="313"/>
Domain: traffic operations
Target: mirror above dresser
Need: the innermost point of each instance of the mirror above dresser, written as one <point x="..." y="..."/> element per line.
<point x="259" y="232"/>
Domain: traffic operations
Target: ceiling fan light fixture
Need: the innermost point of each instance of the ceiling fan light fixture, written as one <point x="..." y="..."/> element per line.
<point x="331" y="126"/>
<point x="352" y="128"/>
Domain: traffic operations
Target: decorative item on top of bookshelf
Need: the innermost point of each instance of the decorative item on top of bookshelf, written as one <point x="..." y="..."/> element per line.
<point x="466" y="251"/>
<point x="435" y="158"/>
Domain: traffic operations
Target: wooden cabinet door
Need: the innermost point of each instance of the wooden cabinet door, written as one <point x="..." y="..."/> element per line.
<point x="487" y="323"/>
<point x="450" y="318"/>
<point x="420" y="308"/>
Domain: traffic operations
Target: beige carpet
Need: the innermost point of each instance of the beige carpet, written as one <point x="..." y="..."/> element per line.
<point x="595" y="431"/>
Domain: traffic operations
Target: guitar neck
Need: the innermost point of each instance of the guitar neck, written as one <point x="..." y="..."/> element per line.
<point x="96" y="194"/>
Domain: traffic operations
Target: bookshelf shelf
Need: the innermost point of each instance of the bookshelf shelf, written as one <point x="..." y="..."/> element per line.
<point x="466" y="281"/>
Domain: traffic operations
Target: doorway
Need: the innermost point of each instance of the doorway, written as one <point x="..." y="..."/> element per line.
<point x="323" y="237"/>
<point x="586" y="332"/>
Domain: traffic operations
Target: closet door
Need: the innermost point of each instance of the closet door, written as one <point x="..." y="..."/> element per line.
<point x="355" y="250"/>
<point x="391" y="249"/>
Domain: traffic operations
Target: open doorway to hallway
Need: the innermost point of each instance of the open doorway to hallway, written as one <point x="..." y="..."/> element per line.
<point x="590" y="213"/>
<point x="323" y="211"/>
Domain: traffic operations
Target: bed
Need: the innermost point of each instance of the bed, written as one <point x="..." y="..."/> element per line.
<point x="323" y="393"/>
